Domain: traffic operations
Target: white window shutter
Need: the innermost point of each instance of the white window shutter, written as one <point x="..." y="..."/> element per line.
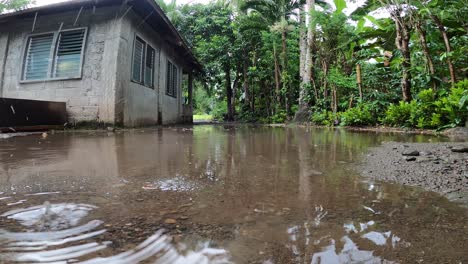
<point x="69" y="54"/>
<point x="38" y="57"/>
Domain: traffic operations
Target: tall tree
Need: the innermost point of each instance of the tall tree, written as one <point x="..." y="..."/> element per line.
<point x="9" y="5"/>
<point x="397" y="9"/>
<point x="307" y="47"/>
<point x="443" y="13"/>
<point x="277" y="13"/>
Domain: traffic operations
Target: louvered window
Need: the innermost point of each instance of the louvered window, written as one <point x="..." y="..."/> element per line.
<point x="172" y="79"/>
<point x="149" y="66"/>
<point x="138" y="56"/>
<point x="68" y="55"/>
<point x="55" y="55"/>
<point x="38" y="57"/>
<point x="143" y="63"/>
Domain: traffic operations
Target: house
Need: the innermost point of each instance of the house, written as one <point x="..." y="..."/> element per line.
<point x="111" y="61"/>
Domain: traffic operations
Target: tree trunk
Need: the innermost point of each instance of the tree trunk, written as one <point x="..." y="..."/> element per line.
<point x="302" y="42"/>
<point x="402" y="42"/>
<point x="235" y="87"/>
<point x="334" y="100"/>
<point x="324" y="82"/>
<point x="245" y="68"/>
<point x="277" y="77"/>
<point x="359" y="80"/>
<point x="284" y="52"/>
<point x="230" y="109"/>
<point x="425" y="49"/>
<point x="302" y="114"/>
<point x="284" y="70"/>
<point x="448" y="48"/>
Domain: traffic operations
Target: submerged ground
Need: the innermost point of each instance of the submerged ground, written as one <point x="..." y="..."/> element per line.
<point x="238" y="193"/>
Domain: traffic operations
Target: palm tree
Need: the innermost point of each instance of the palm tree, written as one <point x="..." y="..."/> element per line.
<point x="171" y="10"/>
<point x="277" y="13"/>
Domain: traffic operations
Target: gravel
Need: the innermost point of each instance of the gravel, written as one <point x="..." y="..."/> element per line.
<point x="438" y="167"/>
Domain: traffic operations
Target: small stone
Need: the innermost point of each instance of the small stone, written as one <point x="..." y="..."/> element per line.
<point x="139" y="200"/>
<point x="425" y="153"/>
<point x="183" y="217"/>
<point x="410" y="153"/>
<point x="460" y="149"/>
<point x="44" y="135"/>
<point x="408" y="158"/>
<point x="170" y="221"/>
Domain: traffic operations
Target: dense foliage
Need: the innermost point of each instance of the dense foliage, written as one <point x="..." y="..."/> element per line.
<point x="12" y="5"/>
<point x="276" y="61"/>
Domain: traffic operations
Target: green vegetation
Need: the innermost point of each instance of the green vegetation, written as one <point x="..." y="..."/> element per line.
<point x="10" y="5"/>
<point x="202" y="117"/>
<point x="316" y="61"/>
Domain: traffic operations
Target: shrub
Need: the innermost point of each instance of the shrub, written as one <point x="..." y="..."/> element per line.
<point x="326" y="118"/>
<point x="401" y="114"/>
<point x="425" y="110"/>
<point x="219" y="110"/>
<point x="453" y="108"/>
<point x="359" y="115"/>
<point x="431" y="110"/>
<point x="279" y="117"/>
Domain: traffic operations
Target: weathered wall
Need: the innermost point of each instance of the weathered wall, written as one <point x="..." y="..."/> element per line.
<point x="142" y="104"/>
<point x="90" y="98"/>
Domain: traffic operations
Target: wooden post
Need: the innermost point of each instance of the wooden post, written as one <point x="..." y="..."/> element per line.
<point x="359" y="80"/>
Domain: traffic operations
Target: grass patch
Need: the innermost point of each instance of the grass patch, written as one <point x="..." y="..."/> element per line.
<point x="202" y="117"/>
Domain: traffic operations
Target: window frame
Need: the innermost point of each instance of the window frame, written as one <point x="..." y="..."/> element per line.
<point x="57" y="45"/>
<point x="52" y="55"/>
<point x="143" y="62"/>
<point x="174" y="81"/>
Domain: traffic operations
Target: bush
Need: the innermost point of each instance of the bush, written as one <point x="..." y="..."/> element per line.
<point x="431" y="110"/>
<point x="325" y="118"/>
<point x="453" y="108"/>
<point x="360" y="115"/>
<point x="400" y="114"/>
<point x="279" y="117"/>
<point x="219" y="110"/>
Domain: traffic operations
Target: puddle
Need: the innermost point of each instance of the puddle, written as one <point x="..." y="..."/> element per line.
<point x="215" y="194"/>
<point x="176" y="184"/>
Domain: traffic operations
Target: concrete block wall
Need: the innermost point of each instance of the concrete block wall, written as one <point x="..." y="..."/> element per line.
<point x="142" y="105"/>
<point x="91" y="98"/>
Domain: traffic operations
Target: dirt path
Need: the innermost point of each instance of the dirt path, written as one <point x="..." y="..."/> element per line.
<point x="438" y="167"/>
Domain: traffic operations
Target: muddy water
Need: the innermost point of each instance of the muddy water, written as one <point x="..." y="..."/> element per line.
<point x="215" y="194"/>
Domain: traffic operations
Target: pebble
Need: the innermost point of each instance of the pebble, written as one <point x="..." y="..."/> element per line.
<point x="170" y="221"/>
<point x="410" y="153"/>
<point x="460" y="149"/>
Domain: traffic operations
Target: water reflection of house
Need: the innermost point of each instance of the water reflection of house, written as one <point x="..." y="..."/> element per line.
<point x="113" y="61"/>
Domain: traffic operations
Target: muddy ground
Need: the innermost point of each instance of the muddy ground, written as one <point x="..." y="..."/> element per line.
<point x="438" y="167"/>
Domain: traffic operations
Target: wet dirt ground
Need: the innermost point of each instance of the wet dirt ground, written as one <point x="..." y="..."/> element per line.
<point x="216" y="194"/>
